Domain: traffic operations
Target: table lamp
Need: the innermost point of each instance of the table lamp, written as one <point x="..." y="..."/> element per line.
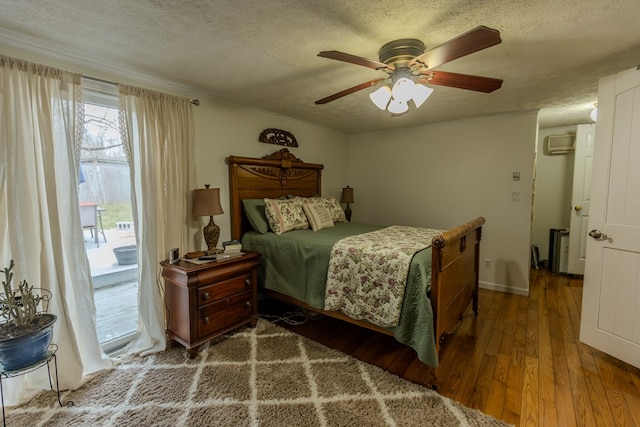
<point x="347" y="197"/>
<point x="206" y="202"/>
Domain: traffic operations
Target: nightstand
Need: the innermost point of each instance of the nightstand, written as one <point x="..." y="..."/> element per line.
<point x="204" y="301"/>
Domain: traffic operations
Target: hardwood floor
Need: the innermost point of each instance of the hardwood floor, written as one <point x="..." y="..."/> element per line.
<point x="519" y="360"/>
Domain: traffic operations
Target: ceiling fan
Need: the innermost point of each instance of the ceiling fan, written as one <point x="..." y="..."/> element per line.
<point x="407" y="59"/>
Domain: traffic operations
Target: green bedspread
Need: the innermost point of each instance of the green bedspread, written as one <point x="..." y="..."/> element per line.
<point x="295" y="264"/>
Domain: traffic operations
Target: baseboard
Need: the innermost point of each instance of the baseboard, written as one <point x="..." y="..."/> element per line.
<point x="505" y="289"/>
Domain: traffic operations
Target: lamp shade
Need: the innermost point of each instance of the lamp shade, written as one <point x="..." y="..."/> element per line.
<point x="347" y="195"/>
<point x="420" y="94"/>
<point x="381" y="97"/>
<point x="206" y="202"/>
<point x="403" y="89"/>
<point x="398" y="107"/>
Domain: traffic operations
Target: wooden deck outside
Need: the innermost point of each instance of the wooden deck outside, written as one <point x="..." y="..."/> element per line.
<point x="116" y="311"/>
<point x="115" y="288"/>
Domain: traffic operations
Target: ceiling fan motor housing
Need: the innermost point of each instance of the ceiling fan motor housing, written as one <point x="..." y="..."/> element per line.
<point x="399" y="52"/>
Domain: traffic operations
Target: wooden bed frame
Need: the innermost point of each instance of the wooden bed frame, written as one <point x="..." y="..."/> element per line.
<point x="455" y="259"/>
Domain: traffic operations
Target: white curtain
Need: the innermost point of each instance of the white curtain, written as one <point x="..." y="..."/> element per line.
<point x="40" y="120"/>
<point x="158" y="133"/>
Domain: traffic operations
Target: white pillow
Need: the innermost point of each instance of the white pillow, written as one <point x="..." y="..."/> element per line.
<point x="285" y="215"/>
<point x="319" y="216"/>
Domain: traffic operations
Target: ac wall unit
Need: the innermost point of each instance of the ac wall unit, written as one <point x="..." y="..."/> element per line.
<point x="561" y="144"/>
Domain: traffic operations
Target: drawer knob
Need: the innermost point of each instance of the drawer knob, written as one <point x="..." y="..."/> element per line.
<point x="248" y="304"/>
<point x="247" y="282"/>
<point x="205" y="295"/>
<point x="205" y="319"/>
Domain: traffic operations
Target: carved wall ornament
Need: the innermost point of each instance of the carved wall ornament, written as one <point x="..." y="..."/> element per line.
<point x="278" y="137"/>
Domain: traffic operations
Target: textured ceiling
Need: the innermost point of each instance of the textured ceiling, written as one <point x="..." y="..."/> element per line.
<point x="262" y="54"/>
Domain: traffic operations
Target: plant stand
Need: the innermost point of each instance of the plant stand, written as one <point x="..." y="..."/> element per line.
<point x="51" y="355"/>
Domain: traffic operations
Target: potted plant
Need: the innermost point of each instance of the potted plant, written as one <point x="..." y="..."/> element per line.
<point x="26" y="332"/>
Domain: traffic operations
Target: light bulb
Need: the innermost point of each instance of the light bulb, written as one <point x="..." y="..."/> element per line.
<point x="381" y="97"/>
<point x="594" y="114"/>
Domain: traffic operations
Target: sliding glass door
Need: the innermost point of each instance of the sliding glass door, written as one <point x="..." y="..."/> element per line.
<point x="107" y="219"/>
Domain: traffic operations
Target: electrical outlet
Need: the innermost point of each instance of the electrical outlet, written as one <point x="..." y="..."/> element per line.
<point x="488" y="263"/>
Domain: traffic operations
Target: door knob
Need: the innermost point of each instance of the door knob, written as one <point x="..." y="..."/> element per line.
<point x="599" y="235"/>
<point x="578" y="208"/>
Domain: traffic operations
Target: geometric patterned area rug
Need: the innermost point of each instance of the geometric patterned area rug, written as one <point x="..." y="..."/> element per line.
<point x="265" y="376"/>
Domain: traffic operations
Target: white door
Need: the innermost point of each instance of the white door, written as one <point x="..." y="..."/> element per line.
<point x="611" y="296"/>
<point x="581" y="198"/>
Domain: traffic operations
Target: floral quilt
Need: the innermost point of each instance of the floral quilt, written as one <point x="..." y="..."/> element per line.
<point x="368" y="272"/>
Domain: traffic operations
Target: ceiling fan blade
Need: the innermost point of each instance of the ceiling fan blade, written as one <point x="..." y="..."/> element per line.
<point x="472" y="41"/>
<point x="353" y="59"/>
<point x="460" y="81"/>
<point x="349" y="91"/>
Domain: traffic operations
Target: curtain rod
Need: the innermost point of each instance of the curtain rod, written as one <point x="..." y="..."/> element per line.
<point x="195" y="102"/>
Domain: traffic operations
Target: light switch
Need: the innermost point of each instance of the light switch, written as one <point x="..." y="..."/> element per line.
<point x="516" y="175"/>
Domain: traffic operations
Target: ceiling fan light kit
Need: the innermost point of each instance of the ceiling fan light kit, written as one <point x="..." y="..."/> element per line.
<point x="420" y="94"/>
<point x="403" y="89"/>
<point x="410" y="67"/>
<point x="397" y="107"/>
<point x="396" y="100"/>
<point x="381" y="97"/>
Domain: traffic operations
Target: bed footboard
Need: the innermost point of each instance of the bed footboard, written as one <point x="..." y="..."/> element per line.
<point x="454" y="276"/>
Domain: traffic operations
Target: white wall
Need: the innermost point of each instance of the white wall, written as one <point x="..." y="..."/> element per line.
<point x="443" y="175"/>
<point x="554" y="180"/>
<point x="223" y="130"/>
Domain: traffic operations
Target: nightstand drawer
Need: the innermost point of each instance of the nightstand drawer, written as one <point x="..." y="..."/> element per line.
<point x="210" y="293"/>
<point x="225" y="312"/>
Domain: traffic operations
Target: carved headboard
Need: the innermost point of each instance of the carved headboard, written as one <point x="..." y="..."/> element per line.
<point x="272" y="176"/>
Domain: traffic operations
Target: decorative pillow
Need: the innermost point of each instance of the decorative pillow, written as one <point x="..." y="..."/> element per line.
<point x="285" y="215"/>
<point x="319" y="216"/>
<point x="254" y="209"/>
<point x="332" y="205"/>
